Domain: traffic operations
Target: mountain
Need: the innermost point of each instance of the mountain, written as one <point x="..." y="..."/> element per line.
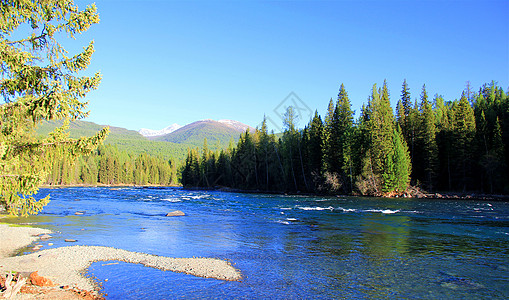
<point x="124" y="139"/>
<point x="173" y="145"/>
<point x="153" y="133"/>
<point x="218" y="133"/>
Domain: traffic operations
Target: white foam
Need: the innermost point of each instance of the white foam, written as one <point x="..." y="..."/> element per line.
<point x="383" y="211"/>
<point x="283" y="222"/>
<point x="347" y="209"/>
<point x="291" y="219"/>
<point x="315" y="208"/>
<point x="174" y="200"/>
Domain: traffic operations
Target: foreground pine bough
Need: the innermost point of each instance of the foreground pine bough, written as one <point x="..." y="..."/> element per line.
<point x="40" y="82"/>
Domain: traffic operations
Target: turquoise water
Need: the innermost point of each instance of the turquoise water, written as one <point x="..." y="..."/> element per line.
<point x="290" y="247"/>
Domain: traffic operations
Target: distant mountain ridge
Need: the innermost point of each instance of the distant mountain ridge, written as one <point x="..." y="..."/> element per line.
<point x="153" y="133"/>
<point x="217" y="133"/>
<point x="124" y="139"/>
<point x="172" y="145"/>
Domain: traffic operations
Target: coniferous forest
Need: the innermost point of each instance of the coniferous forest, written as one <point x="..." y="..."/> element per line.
<point x="429" y="143"/>
<point x="110" y="166"/>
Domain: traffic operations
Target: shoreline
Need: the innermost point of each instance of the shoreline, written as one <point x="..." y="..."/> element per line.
<point x="120" y="185"/>
<point x="419" y="195"/>
<point x="66" y="266"/>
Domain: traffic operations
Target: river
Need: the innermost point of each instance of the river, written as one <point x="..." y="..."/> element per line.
<point x="288" y="247"/>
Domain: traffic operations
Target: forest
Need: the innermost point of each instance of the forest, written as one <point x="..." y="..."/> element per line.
<point x="110" y="166"/>
<point x="427" y="144"/>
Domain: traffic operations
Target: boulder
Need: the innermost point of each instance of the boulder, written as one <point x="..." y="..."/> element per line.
<point x="176" y="213"/>
<point x="39" y="280"/>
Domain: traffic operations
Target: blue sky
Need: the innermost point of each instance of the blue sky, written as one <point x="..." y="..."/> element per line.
<point x="167" y="62"/>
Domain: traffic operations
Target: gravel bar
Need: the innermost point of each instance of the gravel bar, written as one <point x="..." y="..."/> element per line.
<point x="67" y="265"/>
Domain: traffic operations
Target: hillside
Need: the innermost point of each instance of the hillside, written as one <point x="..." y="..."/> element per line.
<point x="83" y="128"/>
<point x="218" y="133"/>
<point x="126" y="140"/>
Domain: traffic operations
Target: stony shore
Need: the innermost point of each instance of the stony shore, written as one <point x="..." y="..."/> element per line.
<point x="65" y="266"/>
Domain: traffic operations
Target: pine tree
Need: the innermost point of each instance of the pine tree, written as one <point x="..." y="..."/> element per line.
<point x="315" y="148"/>
<point x="40" y="82"/>
<point x="290" y="147"/>
<point x="344" y="131"/>
<point x="380" y="126"/>
<point x="429" y="143"/>
<point x="464" y="131"/>
<point x="328" y="147"/>
<point x="425" y="156"/>
<point x="404" y="111"/>
<point x="398" y="167"/>
<point x="388" y="166"/>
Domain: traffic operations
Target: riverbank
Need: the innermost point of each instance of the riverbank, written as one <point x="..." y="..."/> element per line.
<point x="66" y="266"/>
<point x="412" y="192"/>
<point x="119" y="185"/>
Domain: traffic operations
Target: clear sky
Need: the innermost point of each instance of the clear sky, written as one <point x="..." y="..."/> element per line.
<point x="167" y="62"/>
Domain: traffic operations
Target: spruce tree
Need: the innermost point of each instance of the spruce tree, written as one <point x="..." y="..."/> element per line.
<point x="315" y="147"/>
<point x="380" y="126"/>
<point x="464" y="131"/>
<point x="328" y="148"/>
<point x="398" y="168"/>
<point x="344" y="132"/>
<point x="404" y="111"/>
<point x="428" y="142"/>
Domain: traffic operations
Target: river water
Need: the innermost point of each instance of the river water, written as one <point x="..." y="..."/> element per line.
<point x="289" y="247"/>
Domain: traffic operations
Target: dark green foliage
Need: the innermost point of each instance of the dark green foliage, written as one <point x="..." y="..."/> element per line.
<point x="337" y="145"/>
<point x="428" y="143"/>
<point x="314" y="149"/>
<point x="463" y="125"/>
<point x="425" y="150"/>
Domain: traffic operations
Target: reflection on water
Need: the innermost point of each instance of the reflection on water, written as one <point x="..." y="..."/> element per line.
<point x="290" y="247"/>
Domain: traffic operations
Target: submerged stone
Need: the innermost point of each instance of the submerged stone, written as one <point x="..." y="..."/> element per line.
<point x="176" y="213"/>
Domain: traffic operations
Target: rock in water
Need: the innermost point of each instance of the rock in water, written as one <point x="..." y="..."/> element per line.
<point x="70" y="240"/>
<point x="39" y="280"/>
<point x="176" y="213"/>
<point x="45" y="236"/>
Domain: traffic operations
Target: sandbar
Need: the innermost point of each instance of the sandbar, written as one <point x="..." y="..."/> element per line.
<point x="66" y="266"/>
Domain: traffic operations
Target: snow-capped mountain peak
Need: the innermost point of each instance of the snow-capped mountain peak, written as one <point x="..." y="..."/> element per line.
<point x="151" y="133"/>
<point x="235" y="124"/>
